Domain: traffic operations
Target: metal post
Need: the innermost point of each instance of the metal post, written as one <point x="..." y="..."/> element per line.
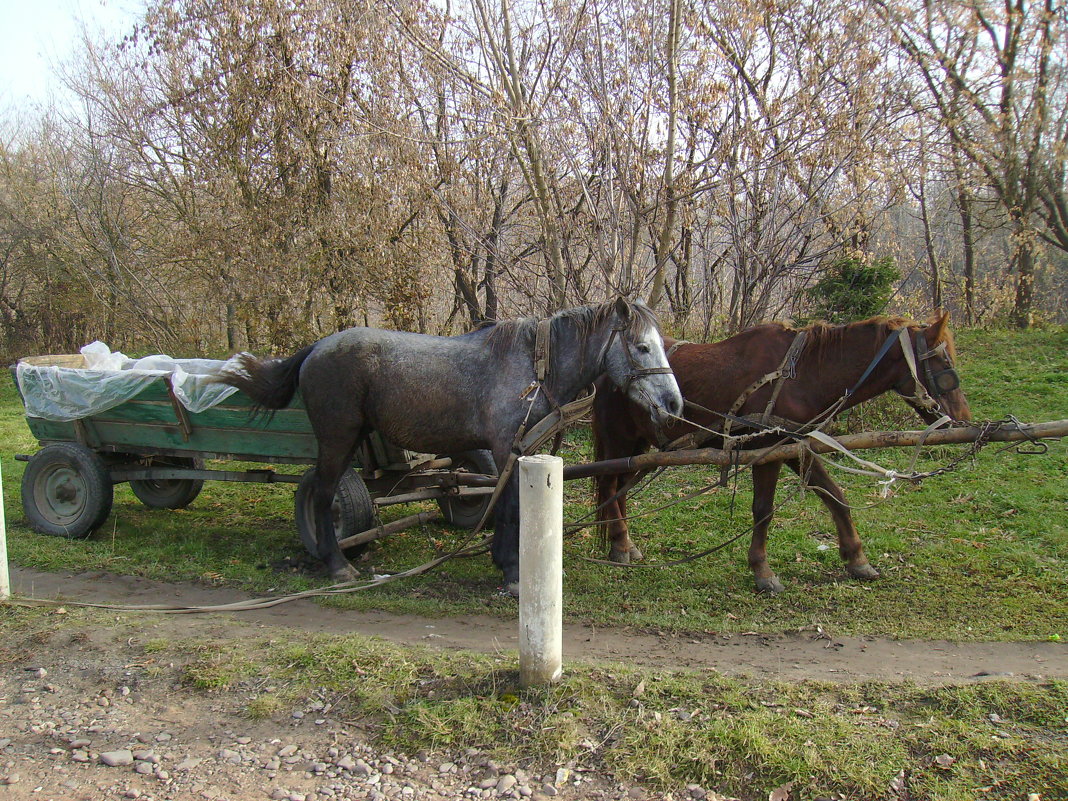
<point x="541" y="558"/>
<point x="5" y="578"/>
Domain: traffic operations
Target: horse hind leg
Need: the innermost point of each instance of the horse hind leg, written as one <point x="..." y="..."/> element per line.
<point x="765" y="478"/>
<point x="850" y="548"/>
<point x="333" y="461"/>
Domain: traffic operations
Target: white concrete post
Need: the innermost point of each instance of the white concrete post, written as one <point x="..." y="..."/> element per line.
<point x="541" y="562"/>
<point x="5" y="578"/>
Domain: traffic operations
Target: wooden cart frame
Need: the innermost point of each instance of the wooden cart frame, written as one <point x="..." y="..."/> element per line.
<point x="161" y="448"/>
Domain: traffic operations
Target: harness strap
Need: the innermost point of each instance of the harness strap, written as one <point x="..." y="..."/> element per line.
<point x="542" y="342"/>
<point x="919" y="392"/>
<point x="787" y="370"/>
<point x="889" y="343"/>
<point x="678" y="344"/>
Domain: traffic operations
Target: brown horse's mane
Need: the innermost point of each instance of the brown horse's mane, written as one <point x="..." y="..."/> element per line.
<point x="827" y="338"/>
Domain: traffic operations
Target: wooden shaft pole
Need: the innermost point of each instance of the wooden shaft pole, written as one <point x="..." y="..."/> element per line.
<point x="378" y="532"/>
<point x="793" y="450"/>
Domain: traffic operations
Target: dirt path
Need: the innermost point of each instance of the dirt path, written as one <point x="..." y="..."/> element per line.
<point x="792" y="656"/>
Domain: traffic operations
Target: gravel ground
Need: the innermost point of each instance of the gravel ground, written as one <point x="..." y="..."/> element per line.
<point x="82" y="719"/>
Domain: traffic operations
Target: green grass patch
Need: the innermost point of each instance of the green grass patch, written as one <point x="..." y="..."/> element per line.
<point x="977" y="553"/>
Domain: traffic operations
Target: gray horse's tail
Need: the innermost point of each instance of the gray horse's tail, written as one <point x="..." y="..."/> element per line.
<point x="271" y="383"/>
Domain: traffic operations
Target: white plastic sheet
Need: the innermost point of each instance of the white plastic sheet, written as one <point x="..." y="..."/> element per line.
<point x="108" y="379"/>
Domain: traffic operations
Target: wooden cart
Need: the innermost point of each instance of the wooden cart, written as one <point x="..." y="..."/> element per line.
<point x="161" y="448"/>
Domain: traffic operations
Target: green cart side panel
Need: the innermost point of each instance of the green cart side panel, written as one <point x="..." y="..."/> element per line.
<point x="236" y="443"/>
<point x="151" y="423"/>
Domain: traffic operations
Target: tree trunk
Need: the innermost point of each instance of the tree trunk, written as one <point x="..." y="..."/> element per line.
<point x="928" y="244"/>
<point x="662" y="248"/>
<point x="964" y="205"/>
<point x="1023" y="308"/>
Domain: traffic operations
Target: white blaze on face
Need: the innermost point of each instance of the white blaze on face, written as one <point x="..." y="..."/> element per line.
<point x="658" y="392"/>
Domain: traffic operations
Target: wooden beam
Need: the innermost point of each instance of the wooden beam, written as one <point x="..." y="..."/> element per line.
<point x="868" y="440"/>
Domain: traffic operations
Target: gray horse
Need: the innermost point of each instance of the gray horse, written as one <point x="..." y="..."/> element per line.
<point x="447" y="395"/>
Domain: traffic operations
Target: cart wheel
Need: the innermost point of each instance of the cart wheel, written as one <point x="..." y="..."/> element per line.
<point x="467" y="512"/>
<point x="352" y="509"/>
<point x="66" y="491"/>
<point x="169" y="493"/>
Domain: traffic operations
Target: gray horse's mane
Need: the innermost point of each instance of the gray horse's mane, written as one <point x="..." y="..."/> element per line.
<point x="584" y="320"/>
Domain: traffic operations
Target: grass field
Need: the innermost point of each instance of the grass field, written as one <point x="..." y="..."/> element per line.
<point x="979" y="553"/>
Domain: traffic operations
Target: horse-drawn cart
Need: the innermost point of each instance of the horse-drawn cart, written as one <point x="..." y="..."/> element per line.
<point x="156" y="423"/>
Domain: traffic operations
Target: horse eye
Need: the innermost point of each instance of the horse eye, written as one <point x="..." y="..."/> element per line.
<point x="642" y="347"/>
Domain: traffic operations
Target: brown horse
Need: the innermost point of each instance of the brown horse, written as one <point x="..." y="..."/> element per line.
<point x="772" y="374"/>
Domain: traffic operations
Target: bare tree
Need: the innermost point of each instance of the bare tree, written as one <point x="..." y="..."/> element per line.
<point x="997" y="75"/>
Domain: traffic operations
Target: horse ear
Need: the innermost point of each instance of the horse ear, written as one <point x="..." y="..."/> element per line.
<point x="622" y="309"/>
<point x="936" y="329"/>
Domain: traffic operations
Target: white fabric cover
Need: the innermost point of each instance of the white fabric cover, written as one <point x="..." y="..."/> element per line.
<point x="108" y="379"/>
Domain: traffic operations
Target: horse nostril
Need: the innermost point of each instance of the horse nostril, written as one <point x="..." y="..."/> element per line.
<point x="672" y="405"/>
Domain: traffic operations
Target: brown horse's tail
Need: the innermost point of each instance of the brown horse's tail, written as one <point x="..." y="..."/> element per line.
<point x="271" y="383"/>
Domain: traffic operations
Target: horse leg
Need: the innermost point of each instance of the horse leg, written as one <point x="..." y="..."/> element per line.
<point x="627" y="549"/>
<point x="612" y="518"/>
<point x="765" y="478"/>
<point x="331" y="464"/>
<point x="850" y="548"/>
<point x="505" y="545"/>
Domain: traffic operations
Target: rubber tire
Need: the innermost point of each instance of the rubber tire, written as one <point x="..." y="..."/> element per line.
<point x="467" y="513"/>
<point x="353" y="511"/>
<point x="169" y="493"/>
<point x="79" y="473"/>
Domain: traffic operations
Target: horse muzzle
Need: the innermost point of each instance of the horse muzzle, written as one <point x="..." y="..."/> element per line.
<point x="666" y="406"/>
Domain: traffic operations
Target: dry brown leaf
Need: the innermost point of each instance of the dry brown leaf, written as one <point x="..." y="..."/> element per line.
<point x="781" y="793"/>
<point x="899" y="786"/>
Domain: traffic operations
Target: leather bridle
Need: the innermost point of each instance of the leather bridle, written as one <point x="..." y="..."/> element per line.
<point x="636" y="371"/>
<point x="937" y="383"/>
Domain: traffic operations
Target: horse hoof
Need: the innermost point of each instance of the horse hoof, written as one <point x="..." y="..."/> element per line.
<point x="865" y="571"/>
<point x="770" y="585"/>
<point x="510" y="590"/>
<point x="345" y="573"/>
<point x="626" y="557"/>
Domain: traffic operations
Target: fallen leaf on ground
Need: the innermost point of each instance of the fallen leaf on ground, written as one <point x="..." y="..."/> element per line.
<point x="781" y="793"/>
<point x="900" y="786"/>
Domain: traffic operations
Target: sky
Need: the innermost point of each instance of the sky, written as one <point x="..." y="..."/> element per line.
<point x="37" y="36"/>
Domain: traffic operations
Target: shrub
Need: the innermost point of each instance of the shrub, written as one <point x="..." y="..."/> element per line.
<point x="852" y="289"/>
